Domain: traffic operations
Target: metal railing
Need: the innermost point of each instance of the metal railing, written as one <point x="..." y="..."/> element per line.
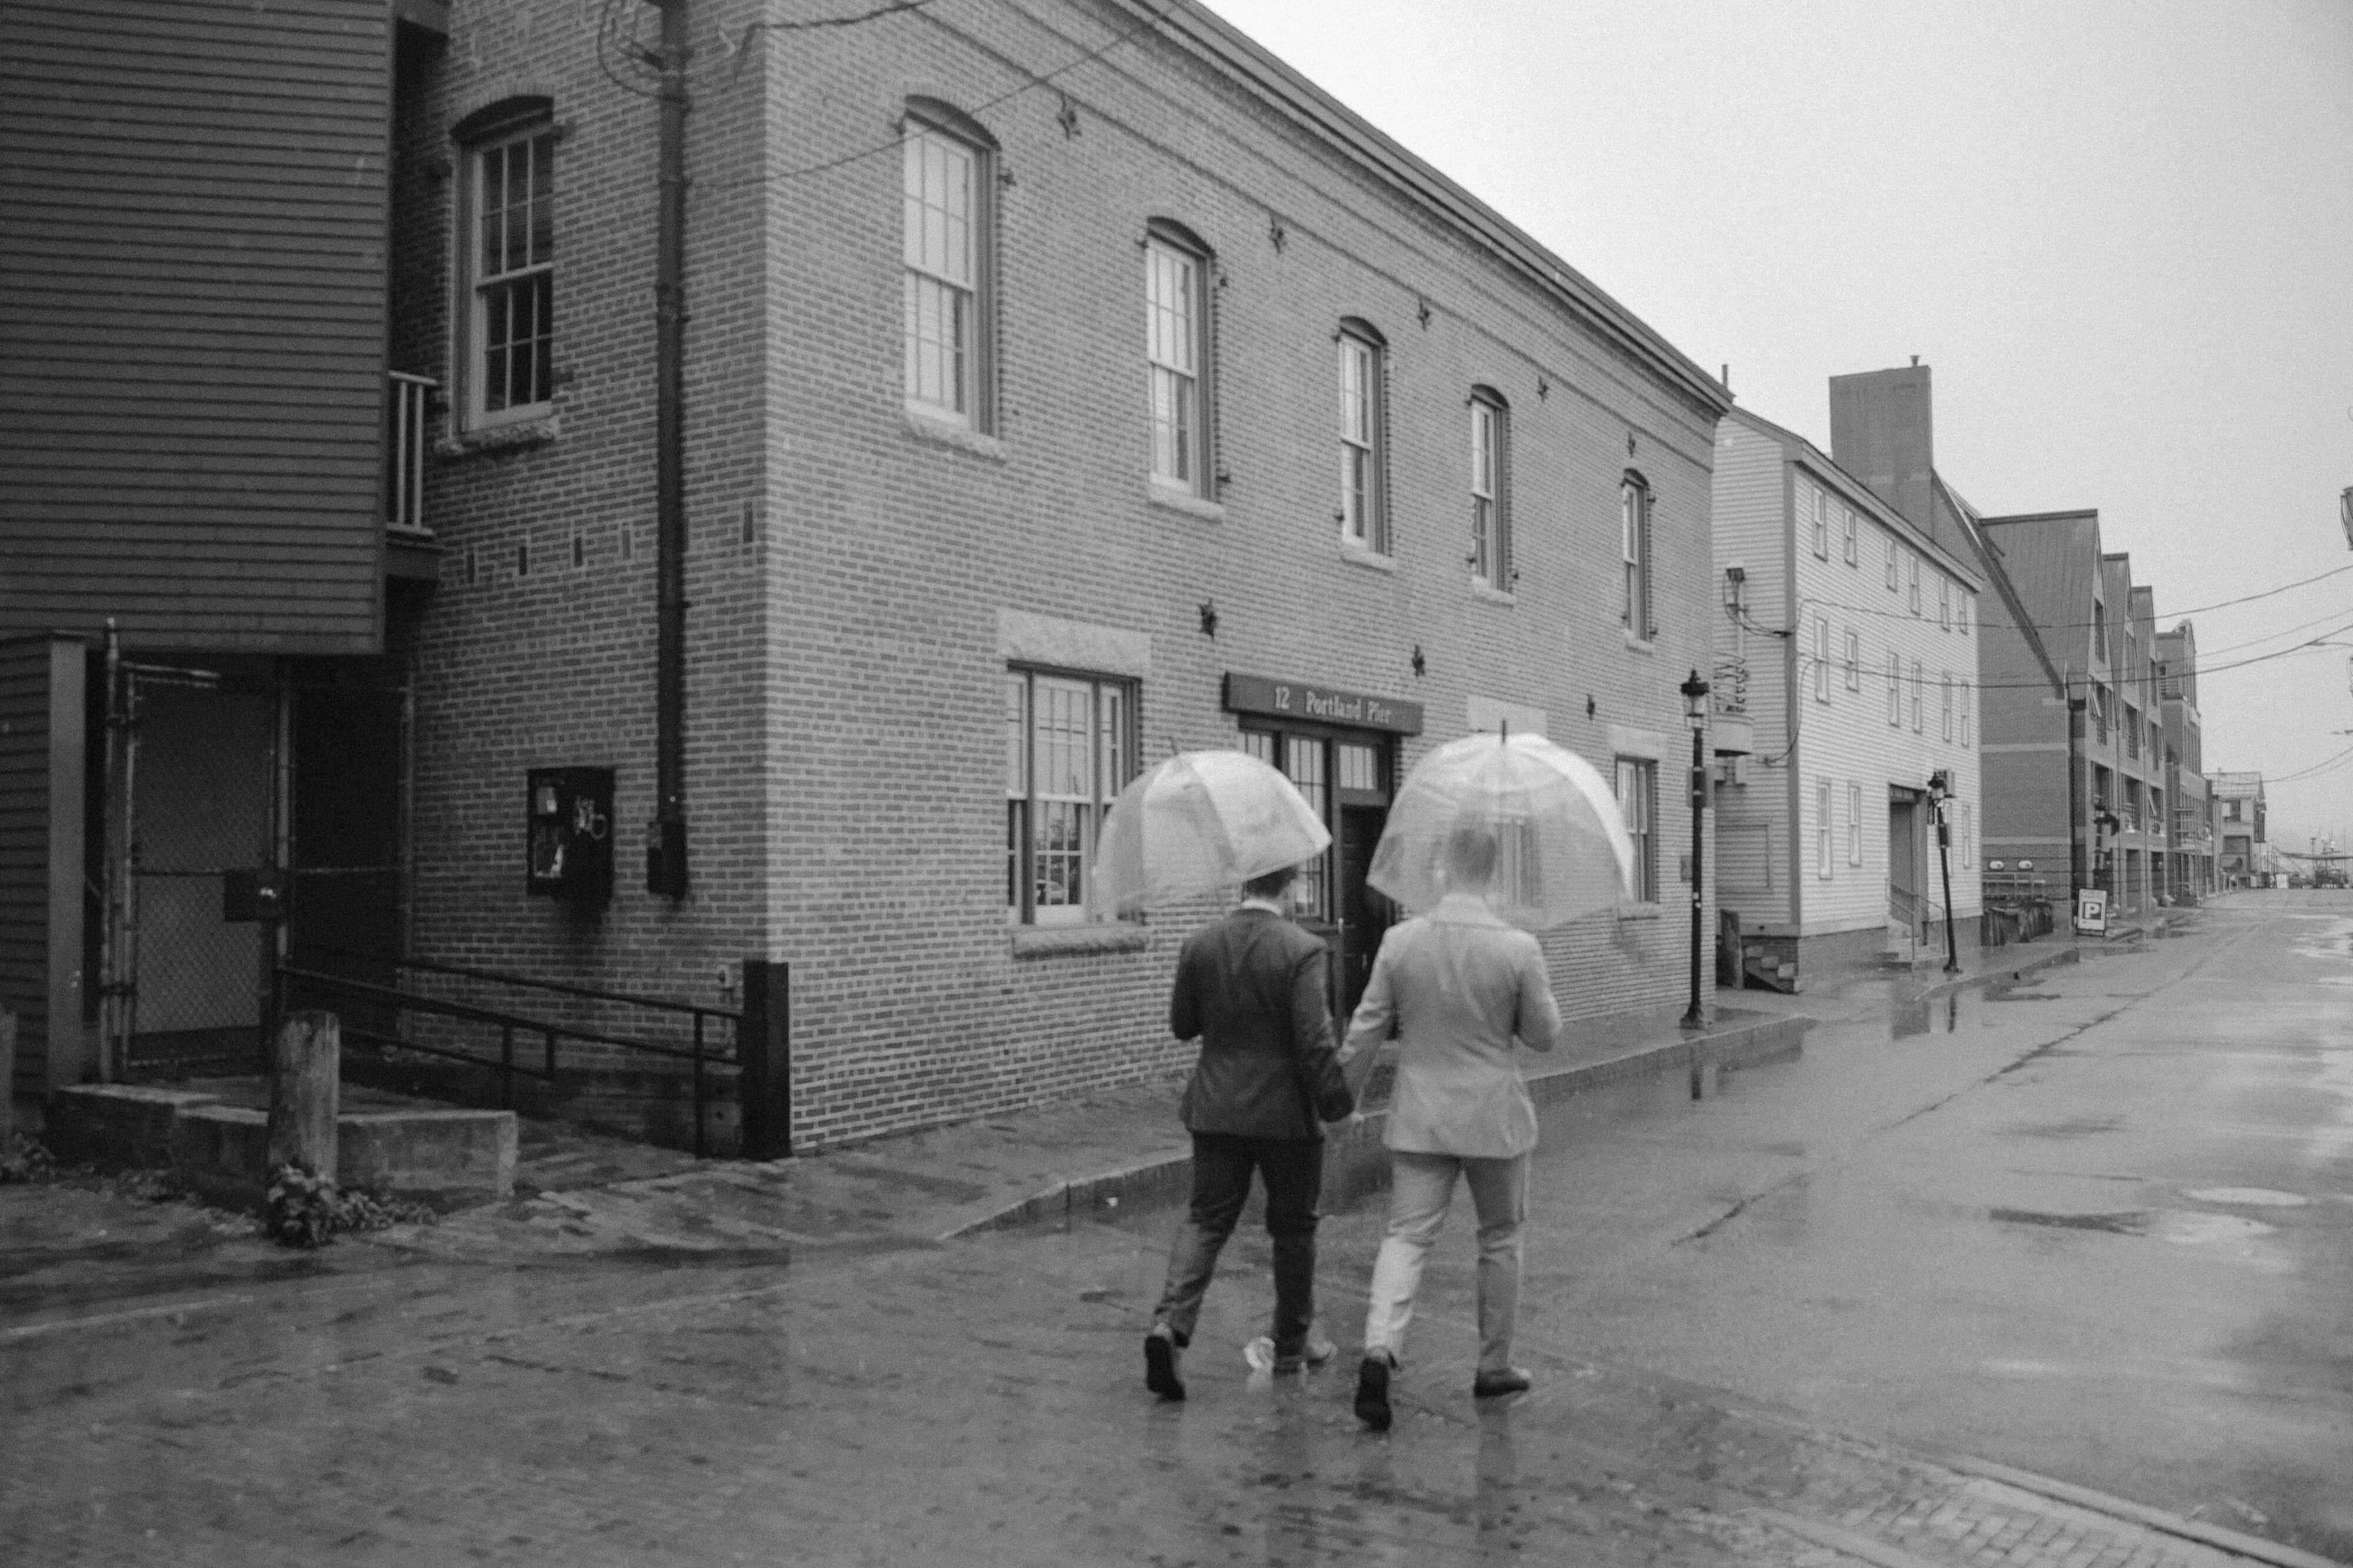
<point x="382" y="1015"/>
<point x="404" y="458"/>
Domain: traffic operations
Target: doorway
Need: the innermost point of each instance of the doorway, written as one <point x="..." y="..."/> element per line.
<point x="1903" y="859"/>
<point x="1346" y="775"/>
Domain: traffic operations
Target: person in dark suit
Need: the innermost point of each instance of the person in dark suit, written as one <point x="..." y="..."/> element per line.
<point x="1252" y="987"/>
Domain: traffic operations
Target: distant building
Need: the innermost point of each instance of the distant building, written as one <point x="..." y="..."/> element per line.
<point x="2076" y="774"/>
<point x="2244" y="859"/>
<point x="2190" y="819"/>
<point x="1849" y="643"/>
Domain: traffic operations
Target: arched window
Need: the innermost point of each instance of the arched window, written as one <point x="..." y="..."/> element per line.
<point x="1491" y="490"/>
<point x="1364" y="435"/>
<point x="1634" y="546"/>
<point x="506" y="250"/>
<point x="948" y="194"/>
<point x="1177" y="352"/>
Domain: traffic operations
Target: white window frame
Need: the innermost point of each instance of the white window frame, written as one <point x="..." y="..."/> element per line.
<point x="1915" y="696"/>
<point x="1969" y="836"/>
<point x="1823" y="827"/>
<point x="1850" y="527"/>
<point x="1944" y="686"/>
<point x="1853" y="822"/>
<point x="1048" y="879"/>
<point x="1968" y="700"/>
<point x="1894" y="576"/>
<point x="1912" y="577"/>
<point x="1177" y="359"/>
<point x="1363" y="515"/>
<point x="947" y="217"/>
<point x="1961" y="613"/>
<point x="1636" y="780"/>
<point x="1821" y="658"/>
<point x="1634" y="549"/>
<point x="1895" y="690"/>
<point x="1491" y="490"/>
<point x="492" y="286"/>
<point x="1854" y="659"/>
<point x="1819" y="503"/>
<point x="1945" y="602"/>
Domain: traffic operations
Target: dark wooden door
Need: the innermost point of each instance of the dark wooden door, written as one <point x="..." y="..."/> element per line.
<point x="1365" y="911"/>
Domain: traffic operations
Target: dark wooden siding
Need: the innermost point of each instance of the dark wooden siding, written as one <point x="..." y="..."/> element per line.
<point x="25" y="851"/>
<point x="193" y="241"/>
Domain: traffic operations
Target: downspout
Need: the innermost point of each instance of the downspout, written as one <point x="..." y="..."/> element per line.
<point x="666" y="872"/>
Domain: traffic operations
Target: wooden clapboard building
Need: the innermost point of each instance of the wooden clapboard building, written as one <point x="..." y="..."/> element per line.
<point x="203" y="452"/>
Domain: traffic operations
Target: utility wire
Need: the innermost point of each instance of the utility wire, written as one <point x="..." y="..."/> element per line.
<point x="2086" y="625"/>
<point x="1036" y="80"/>
<point x="2336" y="760"/>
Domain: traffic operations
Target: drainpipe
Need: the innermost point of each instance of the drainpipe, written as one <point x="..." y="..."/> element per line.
<point x="666" y="834"/>
<point x="2076" y="706"/>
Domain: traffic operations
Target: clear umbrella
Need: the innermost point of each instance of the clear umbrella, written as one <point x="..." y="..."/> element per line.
<point x="1197" y="823"/>
<point x="1564" y="847"/>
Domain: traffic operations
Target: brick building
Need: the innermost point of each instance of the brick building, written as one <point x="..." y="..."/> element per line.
<point x="1849" y="634"/>
<point x="2076" y="770"/>
<point x="1067" y="386"/>
<point x="2189" y="823"/>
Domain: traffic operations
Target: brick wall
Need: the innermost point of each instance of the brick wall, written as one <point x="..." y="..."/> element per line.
<point x="846" y="745"/>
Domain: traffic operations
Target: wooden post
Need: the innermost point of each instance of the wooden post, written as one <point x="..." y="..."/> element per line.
<point x="305" y="1073"/>
<point x="8" y="1080"/>
<point x="763" y="1054"/>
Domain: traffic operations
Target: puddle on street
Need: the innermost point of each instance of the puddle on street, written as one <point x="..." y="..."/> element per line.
<point x="1925" y="1015"/>
<point x="2249" y="1197"/>
<point x="2175" y="1226"/>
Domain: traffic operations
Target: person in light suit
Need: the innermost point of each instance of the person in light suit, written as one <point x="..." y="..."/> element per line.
<point x="1459" y="986"/>
<point x="1251" y="987"/>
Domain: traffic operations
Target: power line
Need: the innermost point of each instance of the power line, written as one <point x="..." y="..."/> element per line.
<point x="1036" y="80"/>
<point x="2340" y="759"/>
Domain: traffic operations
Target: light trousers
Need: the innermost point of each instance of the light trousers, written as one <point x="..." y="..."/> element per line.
<point x="1421" y="1187"/>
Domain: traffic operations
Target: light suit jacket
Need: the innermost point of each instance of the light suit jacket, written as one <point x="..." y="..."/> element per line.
<point x="1459" y="984"/>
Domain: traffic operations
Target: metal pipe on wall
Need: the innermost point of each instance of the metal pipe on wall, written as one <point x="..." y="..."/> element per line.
<point x="666" y="865"/>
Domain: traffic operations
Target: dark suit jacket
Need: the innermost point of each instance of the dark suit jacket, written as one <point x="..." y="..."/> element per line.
<point x="1251" y="987"/>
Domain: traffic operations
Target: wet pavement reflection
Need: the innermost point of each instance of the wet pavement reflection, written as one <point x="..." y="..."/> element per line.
<point x="2102" y="1235"/>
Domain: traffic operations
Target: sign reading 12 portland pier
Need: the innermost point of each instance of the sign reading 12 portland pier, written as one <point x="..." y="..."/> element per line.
<point x="1320" y="704"/>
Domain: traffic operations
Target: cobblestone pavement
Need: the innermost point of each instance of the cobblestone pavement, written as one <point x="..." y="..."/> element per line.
<point x="645" y="1360"/>
<point x="975" y="1402"/>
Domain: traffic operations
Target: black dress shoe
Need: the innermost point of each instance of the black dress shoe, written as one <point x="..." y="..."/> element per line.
<point x="1373" y="1393"/>
<point x="1495" y="1384"/>
<point x="1160" y="1365"/>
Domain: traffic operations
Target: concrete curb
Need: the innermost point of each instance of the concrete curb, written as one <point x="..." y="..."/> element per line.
<point x="1355" y="1161"/>
<point x="2234" y="1542"/>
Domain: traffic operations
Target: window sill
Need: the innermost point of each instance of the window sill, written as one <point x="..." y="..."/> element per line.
<point x="1175" y="498"/>
<point x="1483" y="589"/>
<point x="931" y="429"/>
<point x="1356" y="552"/>
<point x="1639" y="644"/>
<point x="1050" y="941"/>
<point x="1643" y="911"/>
<point x="493" y="438"/>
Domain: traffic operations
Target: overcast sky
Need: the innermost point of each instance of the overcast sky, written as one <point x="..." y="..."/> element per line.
<point x="2119" y="231"/>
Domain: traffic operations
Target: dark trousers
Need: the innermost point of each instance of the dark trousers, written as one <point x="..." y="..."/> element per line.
<point x="1293" y="1170"/>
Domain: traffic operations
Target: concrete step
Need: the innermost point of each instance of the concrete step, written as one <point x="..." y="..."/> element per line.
<point x="216" y="1141"/>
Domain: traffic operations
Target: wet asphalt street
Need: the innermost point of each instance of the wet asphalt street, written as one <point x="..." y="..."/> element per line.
<point x="2102" y="1230"/>
<point x="2098" y="1227"/>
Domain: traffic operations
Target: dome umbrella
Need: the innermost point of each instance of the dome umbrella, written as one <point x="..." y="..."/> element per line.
<point x="1564" y="851"/>
<point x="1199" y="823"/>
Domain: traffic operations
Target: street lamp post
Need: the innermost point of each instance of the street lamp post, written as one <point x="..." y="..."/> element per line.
<point x="1940" y="788"/>
<point x="1694" y="693"/>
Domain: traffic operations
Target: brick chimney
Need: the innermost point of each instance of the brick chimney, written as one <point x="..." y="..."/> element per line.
<point x="1882" y="432"/>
